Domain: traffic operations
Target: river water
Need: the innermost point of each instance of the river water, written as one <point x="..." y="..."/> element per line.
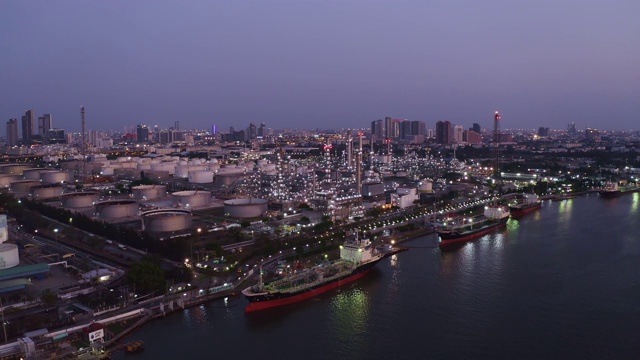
<point x="562" y="282"/>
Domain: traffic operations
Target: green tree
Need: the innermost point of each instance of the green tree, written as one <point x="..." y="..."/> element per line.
<point x="147" y="276"/>
<point x="48" y="297"/>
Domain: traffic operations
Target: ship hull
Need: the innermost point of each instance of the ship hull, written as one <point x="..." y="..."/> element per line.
<point x="519" y="211"/>
<point x="448" y="239"/>
<point x="269" y="300"/>
<point x="615" y="193"/>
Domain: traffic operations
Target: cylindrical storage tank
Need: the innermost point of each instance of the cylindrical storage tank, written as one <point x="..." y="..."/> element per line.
<point x="143" y="167"/>
<point x="107" y="170"/>
<point x="44" y="192"/>
<point x="14" y="169"/>
<point x="79" y="199"/>
<point x="6" y="180"/>
<point x="23" y="186"/>
<point x="56" y="177"/>
<point x="8" y="256"/>
<point x="214" y="167"/>
<point x="169" y="167"/>
<point x="167" y="220"/>
<point x="200" y="176"/>
<point x="182" y="171"/>
<point x="227" y="179"/>
<point x="245" y="208"/>
<point x="4" y="228"/>
<point x="149" y="192"/>
<point x="115" y="209"/>
<point x="34" y="173"/>
<point x="143" y="161"/>
<point x="425" y="186"/>
<point x="123" y="158"/>
<point x="191" y="199"/>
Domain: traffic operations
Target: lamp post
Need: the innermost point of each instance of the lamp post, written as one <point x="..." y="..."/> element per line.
<point x="55" y="232"/>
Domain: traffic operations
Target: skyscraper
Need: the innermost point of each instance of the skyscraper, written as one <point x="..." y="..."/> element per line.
<point x="476" y="128"/>
<point x="44" y="124"/>
<point x="12" y="132"/>
<point x="444" y="132"/>
<point x="377" y="130"/>
<point x="458" y="131"/>
<point x="142" y="133"/>
<point x="28" y="125"/>
<point x="417" y="128"/>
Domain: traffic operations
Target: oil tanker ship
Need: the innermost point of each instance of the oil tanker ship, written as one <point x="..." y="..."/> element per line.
<point x="613" y="190"/>
<point x="524" y="205"/>
<point x="357" y="258"/>
<point x="494" y="217"/>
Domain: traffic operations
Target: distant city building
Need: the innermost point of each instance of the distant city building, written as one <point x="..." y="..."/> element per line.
<point x="417" y="128"/>
<point x="377" y="130"/>
<point x="12" y="132"/>
<point x="476" y="128"/>
<point x="472" y="137"/>
<point x="262" y="130"/>
<point x="591" y="134"/>
<point x="44" y="124"/>
<point x="543" y="132"/>
<point x="458" y="131"/>
<point x="444" y="132"/>
<point x="252" y="131"/>
<point x="142" y="133"/>
<point x="28" y="125"/>
<point x="56" y="136"/>
<point x="571" y="129"/>
<point x="405" y="129"/>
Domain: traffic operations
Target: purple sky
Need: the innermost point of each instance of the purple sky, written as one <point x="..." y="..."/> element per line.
<point x="324" y="63"/>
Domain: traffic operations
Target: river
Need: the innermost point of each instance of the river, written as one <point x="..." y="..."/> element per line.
<point x="562" y="282"/>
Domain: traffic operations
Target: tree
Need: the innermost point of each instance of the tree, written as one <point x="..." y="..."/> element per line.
<point x="48" y="297"/>
<point x="147" y="276"/>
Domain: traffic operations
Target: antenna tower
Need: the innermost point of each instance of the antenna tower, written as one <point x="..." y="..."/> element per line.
<point x="82" y="148"/>
<point x="496" y="145"/>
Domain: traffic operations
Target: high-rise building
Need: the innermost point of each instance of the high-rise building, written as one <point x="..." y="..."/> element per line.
<point x="44" y="124"/>
<point x="252" y="131"/>
<point x="261" y="130"/>
<point x="377" y="130"/>
<point x="476" y="128"/>
<point x="543" y="131"/>
<point x="571" y="129"/>
<point x="12" y="132"/>
<point x="405" y="129"/>
<point x="57" y="136"/>
<point x="142" y="133"/>
<point x="417" y="128"/>
<point x="591" y="134"/>
<point x="458" y="131"/>
<point x="28" y="125"/>
<point x="444" y="132"/>
<point x="472" y="137"/>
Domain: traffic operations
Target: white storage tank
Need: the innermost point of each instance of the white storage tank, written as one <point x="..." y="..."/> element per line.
<point x="425" y="186"/>
<point x="45" y="192"/>
<point x="191" y="199"/>
<point x="34" y="173"/>
<point x="6" y="180"/>
<point x="56" y="177"/>
<point x="144" y="167"/>
<point x="167" y="220"/>
<point x="79" y="199"/>
<point x="245" y="208"/>
<point x="8" y="256"/>
<point x="115" y="209"/>
<point x="23" y="186"/>
<point x="200" y="176"/>
<point x="167" y="166"/>
<point x="149" y="192"/>
<point x="107" y="170"/>
<point x="4" y="228"/>
<point x="14" y="169"/>
<point x="182" y="171"/>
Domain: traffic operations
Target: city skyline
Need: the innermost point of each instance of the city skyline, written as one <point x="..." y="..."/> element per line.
<point x="322" y="65"/>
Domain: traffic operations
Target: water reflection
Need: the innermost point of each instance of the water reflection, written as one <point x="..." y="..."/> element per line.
<point x="349" y="321"/>
<point x="635" y="200"/>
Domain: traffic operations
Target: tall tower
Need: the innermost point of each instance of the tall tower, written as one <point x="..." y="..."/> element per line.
<point x="359" y="167"/>
<point x="12" y="132"/>
<point x="84" y="143"/>
<point x="496" y="144"/>
<point x="28" y="125"/>
<point x="349" y="148"/>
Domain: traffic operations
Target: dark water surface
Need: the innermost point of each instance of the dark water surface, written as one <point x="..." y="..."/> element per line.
<point x="563" y="282"/>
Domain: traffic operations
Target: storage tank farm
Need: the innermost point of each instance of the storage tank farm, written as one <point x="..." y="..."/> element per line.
<point x="149" y="192"/>
<point x="245" y="208"/>
<point x="14" y="169"/>
<point x="4" y="228"/>
<point x="6" y="180"/>
<point x="23" y="187"/>
<point x="116" y="209"/>
<point x="56" y="177"/>
<point x="34" y="173"/>
<point x="47" y="191"/>
<point x="167" y="220"/>
<point x="8" y="256"/>
<point x="80" y="200"/>
<point x="191" y="199"/>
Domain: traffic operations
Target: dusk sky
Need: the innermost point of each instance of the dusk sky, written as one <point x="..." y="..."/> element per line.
<point x="322" y="64"/>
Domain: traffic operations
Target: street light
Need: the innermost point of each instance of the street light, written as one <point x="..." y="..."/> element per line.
<point x="55" y="231"/>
